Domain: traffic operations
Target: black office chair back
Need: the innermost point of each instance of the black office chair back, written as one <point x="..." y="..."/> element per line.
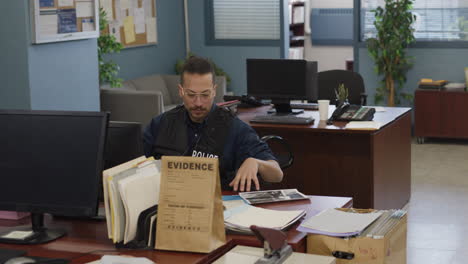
<point x="283" y="154"/>
<point x="328" y="82"/>
<point x="281" y="150"/>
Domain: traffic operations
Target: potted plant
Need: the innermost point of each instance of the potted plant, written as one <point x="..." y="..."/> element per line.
<point x="341" y="95"/>
<point x="108" y="70"/>
<point x="388" y="48"/>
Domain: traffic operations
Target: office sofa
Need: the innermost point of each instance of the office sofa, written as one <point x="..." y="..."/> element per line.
<point x="140" y="99"/>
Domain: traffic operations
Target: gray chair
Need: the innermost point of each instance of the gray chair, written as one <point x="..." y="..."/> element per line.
<point x="141" y="99"/>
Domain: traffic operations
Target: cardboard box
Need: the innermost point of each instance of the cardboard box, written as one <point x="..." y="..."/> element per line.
<point x="389" y="250"/>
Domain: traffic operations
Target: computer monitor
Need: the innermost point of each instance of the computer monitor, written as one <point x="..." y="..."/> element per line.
<point x="124" y="142"/>
<point x="50" y="162"/>
<point x="282" y="80"/>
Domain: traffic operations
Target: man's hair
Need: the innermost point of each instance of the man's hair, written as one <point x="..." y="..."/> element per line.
<point x="197" y="65"/>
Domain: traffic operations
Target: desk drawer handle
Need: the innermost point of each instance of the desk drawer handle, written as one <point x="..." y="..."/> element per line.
<point x="343" y="255"/>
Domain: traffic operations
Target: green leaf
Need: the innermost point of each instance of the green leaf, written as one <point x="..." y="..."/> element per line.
<point x="107" y="44"/>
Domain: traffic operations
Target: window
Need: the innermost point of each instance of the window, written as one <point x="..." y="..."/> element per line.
<point x="436" y="20"/>
<point x="244" y="21"/>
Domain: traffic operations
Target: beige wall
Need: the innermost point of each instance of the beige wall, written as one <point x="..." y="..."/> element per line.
<point x="328" y="57"/>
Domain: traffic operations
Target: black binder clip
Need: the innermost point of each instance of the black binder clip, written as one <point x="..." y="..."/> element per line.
<point x="276" y="249"/>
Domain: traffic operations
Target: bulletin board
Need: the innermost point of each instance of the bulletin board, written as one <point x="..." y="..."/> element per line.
<point x="62" y="20"/>
<point x="132" y="22"/>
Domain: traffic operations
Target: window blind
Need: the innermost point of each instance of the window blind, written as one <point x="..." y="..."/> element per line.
<point x="436" y="20"/>
<point x="246" y="19"/>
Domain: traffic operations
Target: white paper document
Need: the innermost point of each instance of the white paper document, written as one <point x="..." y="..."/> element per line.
<point x="139" y="192"/>
<point x="151" y="30"/>
<point x="139" y="14"/>
<point x="380" y="109"/>
<point x="114" y="30"/>
<point x="336" y="221"/>
<point x="87" y="24"/>
<point x="62" y="3"/>
<point x="363" y="125"/>
<point x="48" y="24"/>
<point x="125" y="4"/>
<point x="84" y="9"/>
<point x="146" y="4"/>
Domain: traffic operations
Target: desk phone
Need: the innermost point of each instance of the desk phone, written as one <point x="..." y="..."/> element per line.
<point x="347" y="112"/>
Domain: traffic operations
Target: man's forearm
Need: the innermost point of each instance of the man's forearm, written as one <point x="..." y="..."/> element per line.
<point x="270" y="170"/>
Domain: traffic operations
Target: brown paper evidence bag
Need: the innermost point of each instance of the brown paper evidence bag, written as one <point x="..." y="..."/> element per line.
<point x="190" y="213"/>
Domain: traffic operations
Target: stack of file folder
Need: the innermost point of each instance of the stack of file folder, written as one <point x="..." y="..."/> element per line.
<point x="131" y="189"/>
<point x="335" y="222"/>
<point x="239" y="216"/>
<point x="356" y="236"/>
<point x="338" y="223"/>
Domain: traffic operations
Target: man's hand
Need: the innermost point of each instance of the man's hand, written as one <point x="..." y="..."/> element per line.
<point x="245" y="175"/>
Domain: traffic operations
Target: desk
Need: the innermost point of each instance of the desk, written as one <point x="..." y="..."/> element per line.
<point x="373" y="167"/>
<point x="85" y="236"/>
<point x="440" y="113"/>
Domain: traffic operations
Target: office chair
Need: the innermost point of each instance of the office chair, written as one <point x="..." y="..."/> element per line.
<point x="281" y="150"/>
<point x="328" y="81"/>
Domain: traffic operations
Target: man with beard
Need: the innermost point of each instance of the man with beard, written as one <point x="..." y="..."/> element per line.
<point x="199" y="128"/>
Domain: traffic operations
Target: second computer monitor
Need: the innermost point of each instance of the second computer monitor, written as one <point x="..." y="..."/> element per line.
<point x="282" y="80"/>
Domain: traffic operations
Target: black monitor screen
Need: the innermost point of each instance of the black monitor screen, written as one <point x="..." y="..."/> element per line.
<point x="51" y="161"/>
<point x="124" y="142"/>
<point x="282" y="79"/>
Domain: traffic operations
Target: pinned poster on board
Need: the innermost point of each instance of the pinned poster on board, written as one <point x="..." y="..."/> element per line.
<point x="132" y="22"/>
<point x="63" y="20"/>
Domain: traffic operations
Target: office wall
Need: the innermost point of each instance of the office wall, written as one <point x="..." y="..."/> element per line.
<point x="328" y="57"/>
<point x="434" y="63"/>
<point x="14" y="84"/>
<point x="64" y="76"/>
<point x="230" y="58"/>
<point x="160" y="58"/>
<point x="53" y="76"/>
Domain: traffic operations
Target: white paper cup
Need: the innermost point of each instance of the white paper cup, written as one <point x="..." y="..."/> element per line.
<point x="323" y="109"/>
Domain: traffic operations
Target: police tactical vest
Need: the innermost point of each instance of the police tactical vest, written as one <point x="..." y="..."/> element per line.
<point x="172" y="139"/>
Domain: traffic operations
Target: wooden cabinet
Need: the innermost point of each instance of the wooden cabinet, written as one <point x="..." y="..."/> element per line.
<point x="441" y="113"/>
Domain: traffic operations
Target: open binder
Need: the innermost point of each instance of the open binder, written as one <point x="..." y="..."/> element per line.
<point x="131" y="193"/>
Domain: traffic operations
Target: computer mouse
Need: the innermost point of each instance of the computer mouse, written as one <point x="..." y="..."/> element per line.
<point x="20" y="260"/>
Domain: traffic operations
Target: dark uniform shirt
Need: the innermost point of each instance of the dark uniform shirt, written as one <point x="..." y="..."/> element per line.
<point x="242" y="141"/>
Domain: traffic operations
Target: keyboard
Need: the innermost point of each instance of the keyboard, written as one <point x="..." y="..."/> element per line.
<point x="307" y="106"/>
<point x="282" y="119"/>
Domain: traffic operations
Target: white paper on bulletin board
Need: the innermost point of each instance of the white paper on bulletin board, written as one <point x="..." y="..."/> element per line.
<point x="132" y="22"/>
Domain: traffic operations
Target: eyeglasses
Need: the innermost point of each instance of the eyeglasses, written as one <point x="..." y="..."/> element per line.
<point x="205" y="96"/>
